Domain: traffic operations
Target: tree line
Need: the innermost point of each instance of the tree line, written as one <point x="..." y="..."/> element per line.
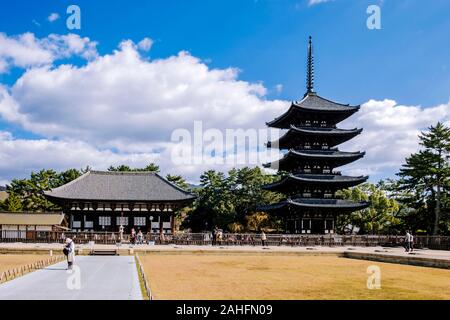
<point x="417" y="199"/>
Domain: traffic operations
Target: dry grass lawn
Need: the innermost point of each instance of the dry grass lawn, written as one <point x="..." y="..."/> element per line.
<point x="11" y="261"/>
<point x="199" y="276"/>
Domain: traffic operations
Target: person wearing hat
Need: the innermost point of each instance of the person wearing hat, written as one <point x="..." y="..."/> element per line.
<point x="69" y="251"/>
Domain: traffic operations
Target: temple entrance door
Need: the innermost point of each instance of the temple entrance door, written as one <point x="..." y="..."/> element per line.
<point x="317" y="226"/>
<point x="290" y="226"/>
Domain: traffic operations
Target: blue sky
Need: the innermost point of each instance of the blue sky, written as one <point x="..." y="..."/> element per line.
<point x="406" y="61"/>
<point x="266" y="40"/>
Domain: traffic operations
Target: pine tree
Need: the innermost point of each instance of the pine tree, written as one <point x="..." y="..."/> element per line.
<point x="425" y="175"/>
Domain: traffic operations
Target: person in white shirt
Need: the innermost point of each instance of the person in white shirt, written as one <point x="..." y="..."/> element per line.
<point x="411" y="242"/>
<point x="407" y="239"/>
<point x="69" y="250"/>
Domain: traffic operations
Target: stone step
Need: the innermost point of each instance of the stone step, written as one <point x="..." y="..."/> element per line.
<point x="104" y="253"/>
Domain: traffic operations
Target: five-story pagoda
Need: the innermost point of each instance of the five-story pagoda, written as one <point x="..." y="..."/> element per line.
<point x="311" y="183"/>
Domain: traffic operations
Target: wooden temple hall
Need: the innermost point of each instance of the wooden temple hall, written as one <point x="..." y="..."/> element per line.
<point x="104" y="201"/>
<point x="311" y="138"/>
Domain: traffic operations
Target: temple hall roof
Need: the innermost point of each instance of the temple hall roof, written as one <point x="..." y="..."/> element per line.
<point x="120" y="186"/>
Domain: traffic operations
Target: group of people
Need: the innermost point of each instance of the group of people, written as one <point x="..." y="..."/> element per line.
<point x="137" y="238"/>
<point x="217" y="236"/>
<point x="409" y="241"/>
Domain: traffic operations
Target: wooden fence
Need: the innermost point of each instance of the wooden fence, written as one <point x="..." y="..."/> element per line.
<point x="24" y="269"/>
<point x="228" y="239"/>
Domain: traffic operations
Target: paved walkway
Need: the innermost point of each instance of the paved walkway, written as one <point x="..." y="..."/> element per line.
<point x="100" y="278"/>
<point x="398" y="251"/>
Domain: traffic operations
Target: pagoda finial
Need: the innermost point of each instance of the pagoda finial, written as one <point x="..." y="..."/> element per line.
<point x="310" y="69"/>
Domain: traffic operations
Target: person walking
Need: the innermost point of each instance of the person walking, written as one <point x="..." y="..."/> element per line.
<point x="214" y="236"/>
<point x="121" y="228"/>
<point x="162" y="238"/>
<point x="140" y="237"/>
<point x="263" y="238"/>
<point x="133" y="236"/>
<point x="219" y="236"/>
<point x="407" y="239"/>
<point x="411" y="242"/>
<point x="69" y="251"/>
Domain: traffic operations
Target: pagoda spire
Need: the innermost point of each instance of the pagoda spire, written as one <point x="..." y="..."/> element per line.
<point x="310" y="69"/>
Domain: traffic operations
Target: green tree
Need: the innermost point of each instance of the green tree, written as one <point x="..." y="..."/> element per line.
<point x="178" y="181"/>
<point x="30" y="192"/>
<point x="425" y="177"/>
<point x="68" y="176"/>
<point x="226" y="201"/>
<point x="124" y="168"/>
<point x="380" y="217"/>
<point x="258" y="221"/>
<point x="248" y="192"/>
<point x="12" y="203"/>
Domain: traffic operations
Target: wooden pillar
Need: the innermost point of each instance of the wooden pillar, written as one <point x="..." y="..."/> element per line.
<point x="161" y="224"/>
<point x="172" y="223"/>
<point x="114" y="222"/>
<point x="95" y="217"/>
<point x="161" y="220"/>
<point x="82" y="217"/>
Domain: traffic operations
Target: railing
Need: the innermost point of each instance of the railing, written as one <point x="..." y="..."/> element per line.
<point x="24" y="269"/>
<point x="228" y="239"/>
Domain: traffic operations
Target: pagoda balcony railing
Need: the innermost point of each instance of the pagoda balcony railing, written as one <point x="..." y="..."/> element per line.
<point x="313" y="171"/>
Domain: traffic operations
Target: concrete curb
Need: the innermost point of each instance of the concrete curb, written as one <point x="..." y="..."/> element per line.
<point x="148" y="292"/>
<point x="407" y="260"/>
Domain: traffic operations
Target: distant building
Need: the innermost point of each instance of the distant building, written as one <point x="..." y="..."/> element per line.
<point x="104" y="201"/>
<point x="311" y="183"/>
<point x="26" y="225"/>
<point x="3" y="193"/>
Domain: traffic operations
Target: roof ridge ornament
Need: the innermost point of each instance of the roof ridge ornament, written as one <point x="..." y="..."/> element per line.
<point x="310" y="69"/>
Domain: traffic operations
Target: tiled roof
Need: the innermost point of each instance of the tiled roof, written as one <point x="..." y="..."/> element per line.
<point x="332" y="135"/>
<point x="120" y="186"/>
<point x="327" y="179"/>
<point x="32" y="219"/>
<point x="311" y="203"/>
<point x="293" y="157"/>
<point x="312" y="103"/>
<point x="317" y="103"/>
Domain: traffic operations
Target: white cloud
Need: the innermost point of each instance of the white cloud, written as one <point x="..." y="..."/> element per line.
<point x="18" y="157"/>
<point x="279" y="88"/>
<point x="145" y="44"/>
<point x="25" y="50"/>
<point x="390" y="134"/>
<point x="123" y="107"/>
<point x="314" y="2"/>
<point x="142" y="100"/>
<point x="53" y="17"/>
